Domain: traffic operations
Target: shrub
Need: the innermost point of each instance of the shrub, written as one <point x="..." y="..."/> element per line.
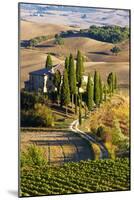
<point x="27" y="100"/>
<point x="40" y="116"/>
<point x="115" y="50"/>
<point x="45" y="114"/>
<point x="30" y="119"/>
<point x="33" y="42"/>
<point x="58" y="40"/>
<point x="32" y="157"/>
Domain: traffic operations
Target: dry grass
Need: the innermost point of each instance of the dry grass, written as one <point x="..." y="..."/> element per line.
<point x="93" y="50"/>
<point x="30" y="30"/>
<point x="113" y="116"/>
<point x="117" y="108"/>
<point x="104" y="68"/>
<point x="72" y="44"/>
<point x="97" y="54"/>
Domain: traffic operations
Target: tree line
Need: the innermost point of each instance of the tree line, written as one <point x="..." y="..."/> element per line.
<point x="113" y="34"/>
<point x="70" y="91"/>
<point x="33" y="42"/>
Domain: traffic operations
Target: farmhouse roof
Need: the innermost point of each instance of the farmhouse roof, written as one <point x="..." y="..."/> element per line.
<point x="46" y="71"/>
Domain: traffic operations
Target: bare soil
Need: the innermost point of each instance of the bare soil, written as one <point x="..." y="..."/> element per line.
<point x="59" y="146"/>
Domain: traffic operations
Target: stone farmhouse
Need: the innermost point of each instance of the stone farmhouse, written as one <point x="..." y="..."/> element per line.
<point x="42" y="79"/>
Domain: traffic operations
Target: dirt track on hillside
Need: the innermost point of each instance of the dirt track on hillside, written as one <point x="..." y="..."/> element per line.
<point x="59" y="146"/>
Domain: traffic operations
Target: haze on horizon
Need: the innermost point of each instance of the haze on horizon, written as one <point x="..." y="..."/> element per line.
<point x="81" y="17"/>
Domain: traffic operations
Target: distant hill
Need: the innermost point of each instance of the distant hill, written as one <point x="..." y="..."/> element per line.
<point x="30" y="30"/>
<point x="74" y="15"/>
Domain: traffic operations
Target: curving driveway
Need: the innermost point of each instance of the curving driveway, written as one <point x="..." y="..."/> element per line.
<point x="59" y="146"/>
<point x="103" y="150"/>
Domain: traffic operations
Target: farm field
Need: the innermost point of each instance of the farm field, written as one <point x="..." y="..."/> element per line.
<point x="33" y="29"/>
<point x="85" y="176"/>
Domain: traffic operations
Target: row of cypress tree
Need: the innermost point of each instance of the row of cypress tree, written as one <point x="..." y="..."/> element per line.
<point x="97" y="91"/>
<point x="69" y="91"/>
<point x="72" y="80"/>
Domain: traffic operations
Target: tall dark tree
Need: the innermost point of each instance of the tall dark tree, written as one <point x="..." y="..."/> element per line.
<point x="76" y="103"/>
<point x="105" y="92"/>
<point x="79" y="69"/>
<point x="57" y="83"/>
<point x="72" y="78"/>
<point x="65" y="91"/>
<point x="101" y="89"/>
<point x="115" y="81"/>
<point x="49" y="63"/>
<point x="90" y="91"/>
<point x="80" y="111"/>
<point x="110" y="81"/>
<point x="96" y="89"/>
<point x="83" y="59"/>
<point x="67" y="64"/>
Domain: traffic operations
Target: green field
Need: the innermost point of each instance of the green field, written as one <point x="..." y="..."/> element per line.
<point x="77" y="177"/>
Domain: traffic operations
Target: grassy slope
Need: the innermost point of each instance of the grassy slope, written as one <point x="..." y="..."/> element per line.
<point x="121" y="69"/>
<point x="114" y="110"/>
<point x="94" y="50"/>
<point x="97" y="53"/>
<point x="30" y="30"/>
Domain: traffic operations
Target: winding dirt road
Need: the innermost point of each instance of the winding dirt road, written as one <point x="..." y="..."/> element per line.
<point x="103" y="150"/>
<point x="59" y="146"/>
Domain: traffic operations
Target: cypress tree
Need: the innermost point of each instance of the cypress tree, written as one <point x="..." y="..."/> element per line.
<point x="57" y="82"/>
<point x="49" y="62"/>
<point x="72" y="77"/>
<point x="105" y="92"/>
<point x="96" y="89"/>
<point x="90" y="91"/>
<point x="79" y="69"/>
<point x="115" y="82"/>
<point x="101" y="89"/>
<point x="83" y="64"/>
<point x="110" y="81"/>
<point x="67" y="64"/>
<point x="76" y="102"/>
<point x="80" y="114"/>
<point x="65" y="92"/>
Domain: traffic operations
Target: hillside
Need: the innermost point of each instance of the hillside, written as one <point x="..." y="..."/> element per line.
<point x="121" y="69"/>
<point x="97" y="54"/>
<point x="30" y="30"/>
<point x="93" y="50"/>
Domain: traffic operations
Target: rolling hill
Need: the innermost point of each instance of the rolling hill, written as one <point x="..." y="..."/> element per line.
<point x="30" y="30"/>
<point x="93" y="50"/>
